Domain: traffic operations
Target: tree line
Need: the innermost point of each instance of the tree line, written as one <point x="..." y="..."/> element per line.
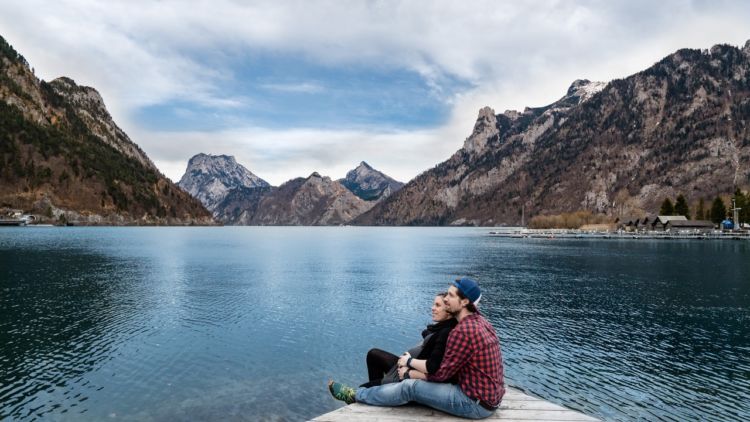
<point x="716" y="214"/>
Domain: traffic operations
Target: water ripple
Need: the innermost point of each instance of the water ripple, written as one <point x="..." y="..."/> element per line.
<point x="248" y="323"/>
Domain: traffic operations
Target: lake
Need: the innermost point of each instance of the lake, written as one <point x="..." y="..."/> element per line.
<point x="248" y="323"/>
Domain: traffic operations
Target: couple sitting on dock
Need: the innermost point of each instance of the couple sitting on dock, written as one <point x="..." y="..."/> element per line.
<point x="458" y="367"/>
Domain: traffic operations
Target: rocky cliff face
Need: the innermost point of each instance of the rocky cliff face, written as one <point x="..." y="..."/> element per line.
<point x="89" y="106"/>
<point x="370" y="184"/>
<point x="62" y="155"/>
<point x="209" y="178"/>
<point x="316" y="200"/>
<point x="681" y="126"/>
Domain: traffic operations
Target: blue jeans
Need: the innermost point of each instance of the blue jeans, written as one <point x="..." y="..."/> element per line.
<point x="446" y="397"/>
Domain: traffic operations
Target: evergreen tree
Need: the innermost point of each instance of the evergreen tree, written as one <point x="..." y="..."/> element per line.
<point x="666" y="207"/>
<point x="700" y="214"/>
<point x="718" y="211"/>
<point x="741" y="201"/>
<point x="681" y="207"/>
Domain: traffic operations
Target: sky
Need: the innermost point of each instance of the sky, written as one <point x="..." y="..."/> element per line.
<point x="292" y="87"/>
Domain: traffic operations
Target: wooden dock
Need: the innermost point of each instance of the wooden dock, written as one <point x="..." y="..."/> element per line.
<point x="14" y="222"/>
<point x="516" y="406"/>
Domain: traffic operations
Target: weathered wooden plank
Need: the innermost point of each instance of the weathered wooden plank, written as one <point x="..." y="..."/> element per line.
<point x="518" y="397"/>
<point x="533" y="415"/>
<point x="394" y="418"/>
<point x="531" y="405"/>
<point x="516" y="406"/>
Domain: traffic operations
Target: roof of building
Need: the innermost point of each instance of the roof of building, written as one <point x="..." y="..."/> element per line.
<point x="647" y="218"/>
<point x="627" y="220"/>
<point x="664" y="218"/>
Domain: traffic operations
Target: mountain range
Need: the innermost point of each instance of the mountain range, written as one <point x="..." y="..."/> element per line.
<point x="614" y="148"/>
<point x="64" y="158"/>
<point x="236" y="196"/>
<point x="312" y="201"/>
<point x="681" y="126"/>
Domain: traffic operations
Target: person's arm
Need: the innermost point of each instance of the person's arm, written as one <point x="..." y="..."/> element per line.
<point x="413" y="374"/>
<point x="418" y="364"/>
<point x="457" y="353"/>
<point x="431" y="364"/>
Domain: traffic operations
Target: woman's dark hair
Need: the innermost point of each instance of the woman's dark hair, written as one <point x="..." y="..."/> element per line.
<point x="442" y="294"/>
<point x="471" y="307"/>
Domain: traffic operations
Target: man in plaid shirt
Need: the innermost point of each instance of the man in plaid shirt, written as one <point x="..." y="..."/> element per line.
<point x="472" y="357"/>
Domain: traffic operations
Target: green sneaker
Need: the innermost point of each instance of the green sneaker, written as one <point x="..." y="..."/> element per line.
<point x="341" y="392"/>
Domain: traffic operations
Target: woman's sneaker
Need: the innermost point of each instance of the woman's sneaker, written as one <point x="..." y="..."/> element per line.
<point x="342" y="392"/>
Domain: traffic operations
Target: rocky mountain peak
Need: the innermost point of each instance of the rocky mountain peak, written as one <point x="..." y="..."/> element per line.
<point x="82" y="96"/>
<point x="484" y="129"/>
<point x="209" y="178"/>
<point x="363" y="166"/>
<point x="89" y="106"/>
<point x="583" y="89"/>
<point x="746" y="48"/>
<point x="512" y="114"/>
<point x="370" y="184"/>
<point x="210" y="163"/>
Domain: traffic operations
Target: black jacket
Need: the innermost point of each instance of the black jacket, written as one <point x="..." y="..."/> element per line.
<point x="435" y="338"/>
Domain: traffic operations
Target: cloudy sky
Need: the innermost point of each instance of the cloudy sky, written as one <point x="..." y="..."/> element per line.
<point x="291" y="87"/>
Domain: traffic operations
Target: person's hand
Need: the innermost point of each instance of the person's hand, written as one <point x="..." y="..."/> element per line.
<point x="402" y="371"/>
<point x="403" y="359"/>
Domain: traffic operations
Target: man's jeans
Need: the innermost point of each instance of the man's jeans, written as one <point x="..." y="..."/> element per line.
<point x="446" y="397"/>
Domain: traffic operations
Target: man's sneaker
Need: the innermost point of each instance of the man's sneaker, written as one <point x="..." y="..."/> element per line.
<point x="341" y="392"/>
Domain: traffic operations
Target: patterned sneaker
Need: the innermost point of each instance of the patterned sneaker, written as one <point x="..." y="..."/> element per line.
<point x="341" y="392"/>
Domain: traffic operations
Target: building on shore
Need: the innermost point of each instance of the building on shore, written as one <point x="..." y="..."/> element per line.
<point x="646" y="222"/>
<point x="629" y="223"/>
<point x="660" y="222"/>
<point x="689" y="226"/>
<point x="672" y="223"/>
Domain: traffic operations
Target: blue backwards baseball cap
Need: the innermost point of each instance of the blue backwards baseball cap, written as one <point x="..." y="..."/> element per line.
<point x="469" y="288"/>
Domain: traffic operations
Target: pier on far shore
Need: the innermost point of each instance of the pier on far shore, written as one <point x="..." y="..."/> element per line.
<point x="587" y="234"/>
<point x="516" y="406"/>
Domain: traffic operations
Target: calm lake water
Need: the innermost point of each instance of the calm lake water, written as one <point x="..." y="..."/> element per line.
<point x="248" y="323"/>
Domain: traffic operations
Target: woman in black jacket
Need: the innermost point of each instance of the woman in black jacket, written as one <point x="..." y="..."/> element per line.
<point x="382" y="367"/>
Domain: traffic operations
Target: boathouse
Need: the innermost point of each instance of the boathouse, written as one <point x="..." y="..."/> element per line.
<point x="645" y="222"/>
<point x="627" y="223"/>
<point x="660" y="223"/>
<point x="691" y="226"/>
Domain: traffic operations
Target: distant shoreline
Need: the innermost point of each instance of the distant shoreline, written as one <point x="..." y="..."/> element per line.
<point x="582" y="234"/>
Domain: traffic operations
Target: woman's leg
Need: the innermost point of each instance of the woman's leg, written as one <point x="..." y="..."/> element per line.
<point x="379" y="362"/>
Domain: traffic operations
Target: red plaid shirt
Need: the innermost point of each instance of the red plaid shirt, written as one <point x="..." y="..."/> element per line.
<point x="473" y="353"/>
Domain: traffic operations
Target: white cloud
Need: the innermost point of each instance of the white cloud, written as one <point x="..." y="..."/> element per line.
<point x="513" y="54"/>
<point x="302" y="87"/>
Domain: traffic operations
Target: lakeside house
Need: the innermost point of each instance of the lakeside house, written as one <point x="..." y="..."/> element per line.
<point x="627" y="223"/>
<point x="646" y="222"/>
<point x="672" y="223"/>
<point x="693" y="226"/>
<point x="660" y="222"/>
